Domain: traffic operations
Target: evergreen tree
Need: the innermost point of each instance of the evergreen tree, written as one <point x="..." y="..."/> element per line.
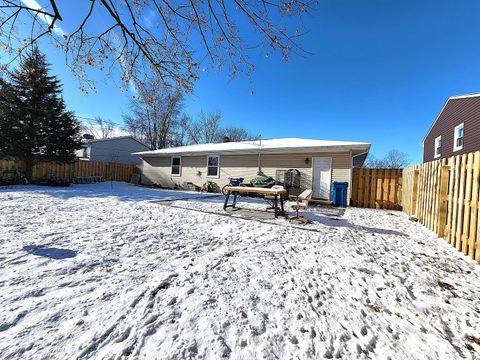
<point x="8" y="119"/>
<point x="43" y="129"/>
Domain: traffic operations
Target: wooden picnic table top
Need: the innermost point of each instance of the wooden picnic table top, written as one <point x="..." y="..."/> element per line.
<point x="258" y="190"/>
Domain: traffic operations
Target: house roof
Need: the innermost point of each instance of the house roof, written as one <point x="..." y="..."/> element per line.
<point x="284" y="145"/>
<point x="88" y="141"/>
<point x="455" y="97"/>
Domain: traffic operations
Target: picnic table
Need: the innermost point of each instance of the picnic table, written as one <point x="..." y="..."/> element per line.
<point x="277" y="194"/>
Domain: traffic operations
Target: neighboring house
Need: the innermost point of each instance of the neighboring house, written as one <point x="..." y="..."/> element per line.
<point x="320" y="162"/>
<point x="115" y="149"/>
<point x="456" y="130"/>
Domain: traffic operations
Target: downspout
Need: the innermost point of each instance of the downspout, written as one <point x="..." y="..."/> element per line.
<point x="259" y="161"/>
<point x="349" y="198"/>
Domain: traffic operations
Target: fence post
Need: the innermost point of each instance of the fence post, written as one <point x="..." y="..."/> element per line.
<point x="414" y="196"/>
<point x="474" y="209"/>
<point x="460" y="206"/>
<point x="467" y="203"/>
<point x="366" y="191"/>
<point x="442" y="206"/>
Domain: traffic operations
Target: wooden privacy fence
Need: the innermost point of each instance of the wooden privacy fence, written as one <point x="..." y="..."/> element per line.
<point x="109" y="171"/>
<point x="444" y="196"/>
<point x="377" y="188"/>
<point x="409" y="188"/>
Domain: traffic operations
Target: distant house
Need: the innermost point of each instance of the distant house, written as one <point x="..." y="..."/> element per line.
<point x="456" y="130"/>
<point x="115" y="149"/>
<point x="320" y="162"/>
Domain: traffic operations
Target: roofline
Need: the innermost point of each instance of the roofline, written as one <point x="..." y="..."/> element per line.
<point x="365" y="147"/>
<point x="116" y="138"/>
<point x="454" y="97"/>
<point x="464" y="96"/>
<point x="110" y="138"/>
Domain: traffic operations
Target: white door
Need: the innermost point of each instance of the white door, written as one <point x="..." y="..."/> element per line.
<point x="322" y="177"/>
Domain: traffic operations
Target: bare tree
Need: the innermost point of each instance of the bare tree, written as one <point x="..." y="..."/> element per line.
<point x="99" y="128"/>
<point x="207" y="128"/>
<point x="394" y="159"/>
<point x="236" y="133"/>
<point x="181" y="133"/>
<point x="374" y="163"/>
<point x="159" y="36"/>
<point x="154" y="113"/>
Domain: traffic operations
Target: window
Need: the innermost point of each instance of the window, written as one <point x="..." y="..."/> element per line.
<point x="213" y="164"/>
<point x="458" y="144"/>
<point x="438" y="146"/>
<point x="176" y="165"/>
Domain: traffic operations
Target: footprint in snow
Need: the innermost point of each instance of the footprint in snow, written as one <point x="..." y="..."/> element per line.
<point x="294" y="340"/>
<point x="172" y="301"/>
<point x="328" y="355"/>
<point x="364" y="331"/>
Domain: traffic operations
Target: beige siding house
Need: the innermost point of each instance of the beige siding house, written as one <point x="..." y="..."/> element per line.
<point x="320" y="162"/>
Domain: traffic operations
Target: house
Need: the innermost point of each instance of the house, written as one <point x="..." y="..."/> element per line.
<point x="115" y="149"/>
<point x="456" y="130"/>
<point x="320" y="162"/>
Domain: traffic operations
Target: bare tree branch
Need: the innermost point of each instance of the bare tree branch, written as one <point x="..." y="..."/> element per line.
<point x="115" y="34"/>
<point x="394" y="159"/>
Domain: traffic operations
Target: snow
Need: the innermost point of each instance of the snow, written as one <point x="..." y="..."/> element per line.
<point x="264" y="146"/>
<point x="101" y="271"/>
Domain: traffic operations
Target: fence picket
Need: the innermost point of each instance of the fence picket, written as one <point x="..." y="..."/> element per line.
<point x="366" y="192"/>
<point x="467" y="203"/>
<point x="461" y="199"/>
<point x="472" y="238"/>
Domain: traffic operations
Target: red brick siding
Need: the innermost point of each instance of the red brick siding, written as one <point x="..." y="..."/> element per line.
<point x="466" y="110"/>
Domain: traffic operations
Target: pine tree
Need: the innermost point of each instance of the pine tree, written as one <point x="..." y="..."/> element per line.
<point x="46" y="130"/>
<point x="8" y="119"/>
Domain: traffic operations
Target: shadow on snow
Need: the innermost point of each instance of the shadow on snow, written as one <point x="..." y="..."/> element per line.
<point x="50" y="252"/>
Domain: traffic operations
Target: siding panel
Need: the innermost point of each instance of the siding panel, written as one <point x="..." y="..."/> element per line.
<point x="456" y="111"/>
<point x="115" y="150"/>
<point x="157" y="170"/>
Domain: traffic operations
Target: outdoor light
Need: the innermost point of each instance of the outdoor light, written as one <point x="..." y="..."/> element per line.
<point x="307" y="160"/>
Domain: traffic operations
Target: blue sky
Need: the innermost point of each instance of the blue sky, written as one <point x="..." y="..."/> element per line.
<point x="380" y="71"/>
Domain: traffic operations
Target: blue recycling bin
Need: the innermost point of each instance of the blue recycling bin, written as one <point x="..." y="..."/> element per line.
<point x="339" y="194"/>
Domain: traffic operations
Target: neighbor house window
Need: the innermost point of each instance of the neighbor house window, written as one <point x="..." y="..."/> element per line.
<point x="438" y="146"/>
<point x="458" y="144"/>
<point x="213" y="164"/>
<point x="176" y="165"/>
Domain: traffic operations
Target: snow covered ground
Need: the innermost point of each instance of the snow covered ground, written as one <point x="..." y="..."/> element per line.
<point x="99" y="271"/>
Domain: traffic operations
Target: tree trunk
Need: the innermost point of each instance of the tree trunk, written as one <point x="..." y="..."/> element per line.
<point x="29" y="168"/>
